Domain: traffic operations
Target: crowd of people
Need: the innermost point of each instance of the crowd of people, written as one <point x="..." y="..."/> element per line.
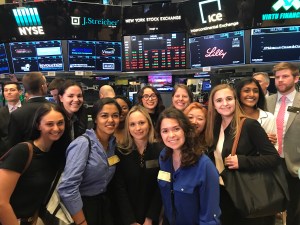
<point x="145" y="164"/>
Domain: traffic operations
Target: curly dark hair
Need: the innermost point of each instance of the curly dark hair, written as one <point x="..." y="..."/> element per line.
<point x="190" y="152"/>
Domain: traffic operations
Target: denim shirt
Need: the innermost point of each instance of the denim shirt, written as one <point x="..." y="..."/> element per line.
<point x="87" y="172"/>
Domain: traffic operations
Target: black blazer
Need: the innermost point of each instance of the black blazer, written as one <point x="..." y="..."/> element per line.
<point x="254" y="150"/>
<point x="20" y="123"/>
<point x="4" y="119"/>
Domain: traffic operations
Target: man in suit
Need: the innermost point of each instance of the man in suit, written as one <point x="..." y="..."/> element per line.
<point x="285" y="105"/>
<point x="106" y="91"/>
<point x="20" y="123"/>
<point x="12" y="92"/>
<point x="264" y="81"/>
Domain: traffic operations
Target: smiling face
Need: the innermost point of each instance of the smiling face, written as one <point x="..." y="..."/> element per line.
<point x="72" y="99"/>
<point x="249" y="95"/>
<point x="124" y="107"/>
<point x="172" y="134"/>
<point x="138" y="126"/>
<point x="52" y="126"/>
<point x="198" y="120"/>
<point x="224" y="102"/>
<point x="181" y="99"/>
<point x="149" y="100"/>
<point x="107" y="121"/>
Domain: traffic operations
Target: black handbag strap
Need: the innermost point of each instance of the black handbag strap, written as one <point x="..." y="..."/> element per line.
<point x="237" y="137"/>
<point x="172" y="199"/>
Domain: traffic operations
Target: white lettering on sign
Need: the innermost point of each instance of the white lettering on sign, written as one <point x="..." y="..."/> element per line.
<point x="215" y="52"/>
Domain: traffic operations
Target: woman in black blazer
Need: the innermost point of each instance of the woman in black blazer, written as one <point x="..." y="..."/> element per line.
<point x="254" y="152"/>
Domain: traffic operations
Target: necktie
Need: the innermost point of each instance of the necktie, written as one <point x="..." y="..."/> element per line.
<point x="280" y="123"/>
<point x="13" y="108"/>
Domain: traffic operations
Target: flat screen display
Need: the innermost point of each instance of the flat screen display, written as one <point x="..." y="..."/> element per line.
<point x="275" y="44"/>
<point x="155" y="52"/>
<point x="40" y="56"/>
<point x="94" y="56"/>
<point x="217" y="49"/>
<point x="4" y="67"/>
<point x="162" y="83"/>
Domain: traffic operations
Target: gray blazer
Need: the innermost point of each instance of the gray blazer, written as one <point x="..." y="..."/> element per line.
<point x="291" y="140"/>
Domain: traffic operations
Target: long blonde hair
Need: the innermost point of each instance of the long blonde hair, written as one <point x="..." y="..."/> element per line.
<point x="213" y="115"/>
<point x="128" y="143"/>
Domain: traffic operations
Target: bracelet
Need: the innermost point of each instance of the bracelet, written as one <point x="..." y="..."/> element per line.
<point x="80" y="222"/>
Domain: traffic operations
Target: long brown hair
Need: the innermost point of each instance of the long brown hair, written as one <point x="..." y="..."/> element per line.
<point x="213" y="115"/>
<point x="190" y="151"/>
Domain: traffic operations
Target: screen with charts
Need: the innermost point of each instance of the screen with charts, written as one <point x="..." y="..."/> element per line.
<point x="36" y="56"/>
<point x="4" y="67"/>
<point x="275" y="44"/>
<point x="217" y="49"/>
<point x="155" y="52"/>
<point x="94" y="55"/>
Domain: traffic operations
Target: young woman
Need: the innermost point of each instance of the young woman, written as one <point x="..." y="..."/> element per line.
<point x="254" y="152"/>
<point x="151" y="99"/>
<point x="182" y="96"/>
<point x="137" y="194"/>
<point x="196" y="114"/>
<point x="252" y="101"/>
<point x="125" y="105"/>
<point x="90" y="167"/>
<point x="187" y="179"/>
<point x="71" y="99"/>
<point x="22" y="194"/>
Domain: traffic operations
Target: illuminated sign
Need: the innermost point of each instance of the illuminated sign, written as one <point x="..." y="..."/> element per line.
<point x="287" y="5"/>
<point x="75" y="20"/>
<point x="214" y="19"/>
<point x="28" y="21"/>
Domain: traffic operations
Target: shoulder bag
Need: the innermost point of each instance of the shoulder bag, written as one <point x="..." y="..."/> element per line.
<point x="55" y="206"/>
<point x="259" y="193"/>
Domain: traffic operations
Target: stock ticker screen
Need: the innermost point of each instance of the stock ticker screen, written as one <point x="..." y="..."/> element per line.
<point x="155" y="52"/>
<point x="94" y="55"/>
<point x="41" y="56"/>
<point x="275" y="44"/>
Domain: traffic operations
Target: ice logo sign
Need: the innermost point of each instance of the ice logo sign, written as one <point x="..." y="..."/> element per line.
<point x="214" y="17"/>
<point x="286" y="4"/>
<point x="28" y="21"/>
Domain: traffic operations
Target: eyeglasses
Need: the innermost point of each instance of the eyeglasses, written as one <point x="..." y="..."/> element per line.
<point x="146" y="97"/>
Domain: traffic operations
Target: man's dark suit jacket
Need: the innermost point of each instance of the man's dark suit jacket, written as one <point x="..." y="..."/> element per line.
<point x="20" y="123"/>
<point x="4" y="119"/>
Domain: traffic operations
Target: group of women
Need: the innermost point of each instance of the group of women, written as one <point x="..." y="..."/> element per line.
<point x="140" y="165"/>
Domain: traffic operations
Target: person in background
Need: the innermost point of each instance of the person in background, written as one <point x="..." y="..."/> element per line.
<point x="253" y="103"/>
<point x="23" y="192"/>
<point x="196" y="114"/>
<point x="286" y="107"/>
<point x="187" y="179"/>
<point x="19" y="126"/>
<point x="136" y="191"/>
<point x="54" y="86"/>
<point x="71" y="100"/>
<point x="182" y="96"/>
<point x="263" y="80"/>
<point x="11" y="92"/>
<point x="89" y="169"/>
<point x="151" y="99"/>
<point x="254" y="151"/>
<point x="106" y="91"/>
<point x="125" y="105"/>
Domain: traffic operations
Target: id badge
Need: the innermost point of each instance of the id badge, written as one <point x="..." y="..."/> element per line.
<point x="113" y="160"/>
<point x="150" y="164"/>
<point x="163" y="175"/>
